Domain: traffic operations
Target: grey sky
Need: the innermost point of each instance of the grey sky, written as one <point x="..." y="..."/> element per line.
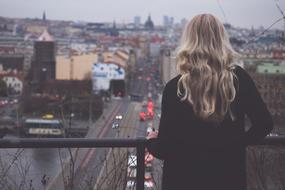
<point x="238" y="12"/>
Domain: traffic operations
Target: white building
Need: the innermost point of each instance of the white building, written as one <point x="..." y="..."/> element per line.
<point x="13" y="82"/>
<point x="103" y="73"/>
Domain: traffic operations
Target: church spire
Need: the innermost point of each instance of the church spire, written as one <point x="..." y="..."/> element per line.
<point x="44" y="16"/>
<point x="149" y="24"/>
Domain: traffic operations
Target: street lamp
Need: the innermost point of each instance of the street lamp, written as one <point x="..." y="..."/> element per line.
<point x="70" y="117"/>
<point x="44" y="70"/>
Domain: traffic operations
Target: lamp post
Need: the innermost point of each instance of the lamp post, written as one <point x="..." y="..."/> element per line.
<point x="70" y="118"/>
<point x="44" y="72"/>
<point x="90" y="110"/>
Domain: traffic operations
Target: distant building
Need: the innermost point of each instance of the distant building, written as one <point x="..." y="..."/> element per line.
<point x="137" y="21"/>
<point x="13" y="83"/>
<point x="165" y="21"/>
<point x="144" y="45"/>
<point x="183" y="22"/>
<point x="171" y="21"/>
<point x="102" y="29"/>
<point x="278" y="54"/>
<point x="114" y="31"/>
<point x="79" y="66"/>
<point x="154" y="49"/>
<point x="105" y="75"/>
<point x="167" y="65"/>
<point x="44" y="16"/>
<point x="132" y="61"/>
<point x="43" y="63"/>
<point x="270" y="80"/>
<point x="75" y="67"/>
<point x="149" y="23"/>
<point x="168" y="21"/>
<point x="10" y="62"/>
<point x="109" y="72"/>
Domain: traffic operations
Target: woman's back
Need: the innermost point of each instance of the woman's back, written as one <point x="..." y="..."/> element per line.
<point x="203" y="155"/>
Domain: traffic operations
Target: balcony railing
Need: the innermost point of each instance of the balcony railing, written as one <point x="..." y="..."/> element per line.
<point x="138" y="143"/>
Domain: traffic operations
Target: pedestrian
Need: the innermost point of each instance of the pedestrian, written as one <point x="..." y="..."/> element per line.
<point x="44" y="180"/>
<point x="202" y="137"/>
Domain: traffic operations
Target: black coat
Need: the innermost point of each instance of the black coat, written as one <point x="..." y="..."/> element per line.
<point x="199" y="155"/>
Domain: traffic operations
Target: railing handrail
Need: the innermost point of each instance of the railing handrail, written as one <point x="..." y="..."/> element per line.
<point x="103" y="142"/>
<point x="272" y="140"/>
<point x="71" y="142"/>
<point x="138" y="143"/>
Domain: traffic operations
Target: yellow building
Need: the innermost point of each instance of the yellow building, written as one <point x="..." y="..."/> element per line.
<point x="75" y="67"/>
<point x="35" y="29"/>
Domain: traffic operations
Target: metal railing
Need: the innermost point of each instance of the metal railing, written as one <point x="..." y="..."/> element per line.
<point x="138" y="143"/>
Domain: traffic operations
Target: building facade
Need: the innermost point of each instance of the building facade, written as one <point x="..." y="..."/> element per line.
<point x="43" y="63"/>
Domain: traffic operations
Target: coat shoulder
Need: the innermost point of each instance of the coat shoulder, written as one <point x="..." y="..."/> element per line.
<point x="172" y="84"/>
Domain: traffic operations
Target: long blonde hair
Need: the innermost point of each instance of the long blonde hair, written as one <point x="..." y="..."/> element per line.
<point x="205" y="62"/>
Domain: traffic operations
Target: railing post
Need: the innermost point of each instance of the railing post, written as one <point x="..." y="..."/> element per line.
<point x="140" y="164"/>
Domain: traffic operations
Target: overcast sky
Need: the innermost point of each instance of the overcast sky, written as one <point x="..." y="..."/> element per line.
<point x="243" y="13"/>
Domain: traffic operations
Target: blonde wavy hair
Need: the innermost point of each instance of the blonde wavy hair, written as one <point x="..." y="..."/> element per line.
<point x="205" y="62"/>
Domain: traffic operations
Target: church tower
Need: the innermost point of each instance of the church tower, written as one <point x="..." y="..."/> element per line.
<point x="149" y="24"/>
<point x="44" y="16"/>
<point x="43" y="63"/>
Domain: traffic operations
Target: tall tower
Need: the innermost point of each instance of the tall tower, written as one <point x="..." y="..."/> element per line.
<point x="44" y="16"/>
<point x="149" y="24"/>
<point x="137" y="21"/>
<point x="114" y="31"/>
<point x="43" y="63"/>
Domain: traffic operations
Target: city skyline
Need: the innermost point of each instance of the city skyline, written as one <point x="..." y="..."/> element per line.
<point x="124" y="11"/>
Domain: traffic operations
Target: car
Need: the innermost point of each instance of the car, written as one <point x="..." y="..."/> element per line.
<point x="142" y="116"/>
<point x="147" y="175"/>
<point x="148" y="184"/>
<point x="3" y="102"/>
<point x="131" y="184"/>
<point x="14" y="101"/>
<point x="136" y="97"/>
<point x="48" y="116"/>
<point x="115" y="125"/>
<point x="132" y="173"/>
<point x="144" y="103"/>
<point x="148" y="158"/>
<point x="119" y="117"/>
<point x="273" y="134"/>
<point x="149" y="130"/>
<point x="132" y="160"/>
